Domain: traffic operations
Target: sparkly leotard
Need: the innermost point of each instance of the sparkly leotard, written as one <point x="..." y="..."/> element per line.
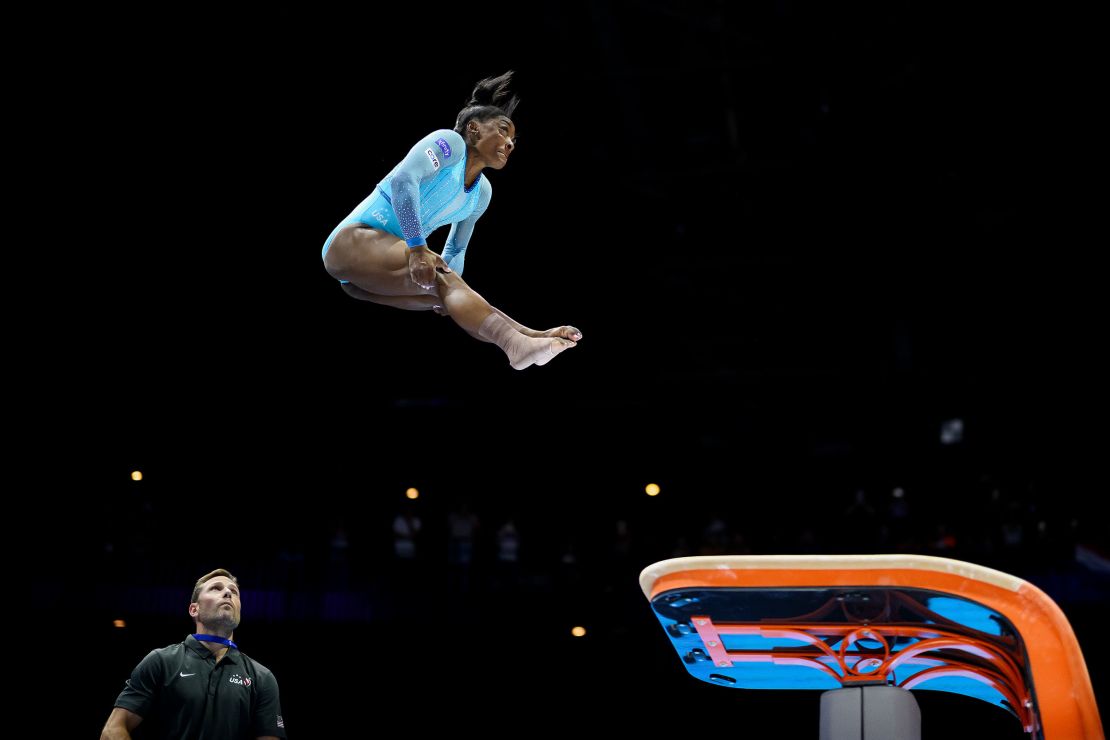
<point x="425" y="191"/>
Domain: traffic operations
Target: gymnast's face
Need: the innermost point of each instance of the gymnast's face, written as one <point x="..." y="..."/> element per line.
<point x="493" y="140"/>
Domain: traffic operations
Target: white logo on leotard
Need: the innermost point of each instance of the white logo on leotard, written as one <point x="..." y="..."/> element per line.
<point x="432" y="156"/>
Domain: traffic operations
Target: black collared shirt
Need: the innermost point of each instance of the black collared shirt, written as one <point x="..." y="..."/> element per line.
<point x="186" y="695"/>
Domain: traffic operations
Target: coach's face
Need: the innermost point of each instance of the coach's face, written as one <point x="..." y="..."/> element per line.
<point x="218" y="606"/>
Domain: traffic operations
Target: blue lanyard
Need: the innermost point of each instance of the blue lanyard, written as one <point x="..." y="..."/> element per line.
<point x="214" y="638"/>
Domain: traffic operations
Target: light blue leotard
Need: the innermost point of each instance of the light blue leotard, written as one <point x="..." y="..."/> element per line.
<point x="423" y="192"/>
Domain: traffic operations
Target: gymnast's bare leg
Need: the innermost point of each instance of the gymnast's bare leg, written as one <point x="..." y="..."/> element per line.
<point x="375" y="262"/>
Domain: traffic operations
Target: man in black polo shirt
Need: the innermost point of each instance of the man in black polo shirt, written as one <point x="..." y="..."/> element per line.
<point x="202" y="687"/>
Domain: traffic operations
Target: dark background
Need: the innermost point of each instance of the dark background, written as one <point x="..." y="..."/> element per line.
<point x="797" y="239"/>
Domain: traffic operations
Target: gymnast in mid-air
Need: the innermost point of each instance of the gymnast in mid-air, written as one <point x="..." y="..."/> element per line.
<point x="379" y="253"/>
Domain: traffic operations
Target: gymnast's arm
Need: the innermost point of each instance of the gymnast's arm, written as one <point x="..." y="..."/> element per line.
<point x="454" y="249"/>
<point x="436" y="150"/>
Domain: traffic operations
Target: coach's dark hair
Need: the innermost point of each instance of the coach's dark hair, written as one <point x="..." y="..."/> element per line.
<point x="490" y="98"/>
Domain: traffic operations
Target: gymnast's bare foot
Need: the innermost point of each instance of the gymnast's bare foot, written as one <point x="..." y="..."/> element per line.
<point x="523" y="350"/>
<point x="566" y="332"/>
<point x="537" y="351"/>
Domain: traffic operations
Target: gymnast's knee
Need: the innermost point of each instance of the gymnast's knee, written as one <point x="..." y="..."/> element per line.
<point x="449" y="281"/>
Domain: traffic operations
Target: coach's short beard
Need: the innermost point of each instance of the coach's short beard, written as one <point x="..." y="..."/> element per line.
<point x="221" y="622"/>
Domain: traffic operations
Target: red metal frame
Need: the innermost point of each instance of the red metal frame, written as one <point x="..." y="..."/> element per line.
<point x="990" y="663"/>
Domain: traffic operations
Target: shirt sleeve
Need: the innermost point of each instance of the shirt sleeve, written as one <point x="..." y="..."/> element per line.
<point x="141" y="690"/>
<point x="267" y="719"/>
<point x="435" y="151"/>
<point x="454" y="249"/>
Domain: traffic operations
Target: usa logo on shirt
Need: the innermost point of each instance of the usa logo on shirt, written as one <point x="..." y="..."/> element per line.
<point x="432" y="156"/>
<point x="240" y="680"/>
